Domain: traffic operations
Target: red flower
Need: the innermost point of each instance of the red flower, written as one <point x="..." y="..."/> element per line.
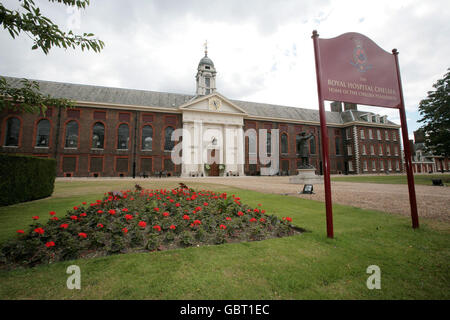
<point x="262" y="220"/>
<point x="223" y="227"/>
<point x="289" y="219"/>
<point x="125" y="230"/>
<point x="197" y="222"/>
<point x="35" y="217"/>
<point x="20" y="231"/>
<point x="125" y="209"/>
<point x="142" y="224"/>
<point x="54" y="218"/>
<point x="157" y="228"/>
<point x="172" y="227"/>
<point x="205" y="204"/>
<point x="84" y="202"/>
<point x="228" y="218"/>
<point x="52" y="213"/>
<point x="74" y="217"/>
<point x="112" y="212"/>
<point x="240" y="213"/>
<point x="64" y="225"/>
<point x="39" y="230"/>
<point x="83" y="214"/>
<point x="128" y="217"/>
<point x="100" y="225"/>
<point x="100" y="211"/>
<point x="156" y="209"/>
<point x="50" y="244"/>
<point x="253" y="220"/>
<point x="165" y="214"/>
<point x="82" y="235"/>
<point x="75" y="208"/>
<point x="186" y="217"/>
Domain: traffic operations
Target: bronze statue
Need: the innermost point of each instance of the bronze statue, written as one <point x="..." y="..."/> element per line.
<point x="302" y="147"/>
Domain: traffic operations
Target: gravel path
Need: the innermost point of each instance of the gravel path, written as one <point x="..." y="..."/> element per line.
<point x="432" y="202"/>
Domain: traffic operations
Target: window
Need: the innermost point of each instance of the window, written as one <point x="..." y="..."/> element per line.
<point x="207" y="82"/>
<point x="71" y="134"/>
<point x="123" y="136"/>
<point x="374" y="168"/>
<point x="269" y="143"/>
<point x="388" y="150"/>
<point x="147" y="138"/>
<point x="386" y="135"/>
<point x="312" y="145"/>
<point x="12" y="132"/>
<point x="98" y="135"/>
<point x="69" y="164"/>
<point x="337" y="142"/>
<point x="348" y="133"/>
<point x="364" y="151"/>
<point x="381" y="150"/>
<point x="349" y="150"/>
<point x="396" y="150"/>
<point x="370" y="134"/>
<point x="252" y="148"/>
<point x="350" y="165"/>
<point x="362" y="134"/>
<point x="372" y="150"/>
<point x="96" y="164"/>
<point x="379" y="134"/>
<point x="394" y="136"/>
<point x="381" y="165"/>
<point x="390" y="165"/>
<point x="121" y="164"/>
<point x="43" y="133"/>
<point x="397" y="165"/>
<point x="168" y="143"/>
<point x="284" y="143"/>
<point x="365" y="165"/>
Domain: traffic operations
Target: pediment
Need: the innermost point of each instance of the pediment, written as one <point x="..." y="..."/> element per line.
<point x="205" y="104"/>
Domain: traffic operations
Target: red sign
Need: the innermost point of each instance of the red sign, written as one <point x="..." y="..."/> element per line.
<point x="355" y="69"/>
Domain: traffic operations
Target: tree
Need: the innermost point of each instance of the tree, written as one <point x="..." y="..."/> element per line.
<point x="45" y="35"/>
<point x="435" y="112"/>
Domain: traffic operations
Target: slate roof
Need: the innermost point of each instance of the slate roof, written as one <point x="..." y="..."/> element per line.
<point x="133" y="97"/>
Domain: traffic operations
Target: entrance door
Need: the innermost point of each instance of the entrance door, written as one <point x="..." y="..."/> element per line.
<point x="214" y="166"/>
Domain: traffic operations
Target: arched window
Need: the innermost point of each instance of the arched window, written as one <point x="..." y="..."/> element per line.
<point x="43" y="133"/>
<point x="123" y="135"/>
<point x="168" y="143"/>
<point x="312" y="145"/>
<point x="98" y="135"/>
<point x="12" y="132"/>
<point x="147" y="138"/>
<point x="284" y="143"/>
<point x="71" y="134"/>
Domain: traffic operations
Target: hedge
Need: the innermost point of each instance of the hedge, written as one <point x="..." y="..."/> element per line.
<point x="25" y="178"/>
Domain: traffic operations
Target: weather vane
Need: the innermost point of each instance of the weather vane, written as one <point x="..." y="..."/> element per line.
<point x="206" y="47"/>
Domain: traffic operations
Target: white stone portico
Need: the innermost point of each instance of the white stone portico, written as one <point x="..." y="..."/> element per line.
<point x="212" y="122"/>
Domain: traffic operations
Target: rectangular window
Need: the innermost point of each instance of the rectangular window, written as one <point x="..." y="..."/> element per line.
<point x="386" y="135"/>
<point x="389" y="165"/>
<point x="349" y="150"/>
<point x="374" y="168"/>
<point x="348" y="133"/>
<point x="69" y="164"/>
<point x="124" y="117"/>
<point x="394" y="136"/>
<point x="364" y="151"/>
<point x="338" y="145"/>
<point x="397" y="165"/>
<point x="372" y="150"/>
<point x="388" y="150"/>
<point x="370" y="134"/>
<point x="381" y="165"/>
<point x="396" y="150"/>
<point x="146" y="165"/>
<point x="365" y="165"/>
<point x="122" y="164"/>
<point x="362" y="134"/>
<point x="99" y="115"/>
<point x="96" y="164"/>
<point x="379" y="134"/>
<point x="381" y="150"/>
<point x="350" y="165"/>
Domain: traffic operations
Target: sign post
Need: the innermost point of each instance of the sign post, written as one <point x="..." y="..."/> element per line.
<point x="352" y="68"/>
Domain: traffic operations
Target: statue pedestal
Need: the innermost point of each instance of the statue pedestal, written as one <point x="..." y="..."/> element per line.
<point x="306" y="176"/>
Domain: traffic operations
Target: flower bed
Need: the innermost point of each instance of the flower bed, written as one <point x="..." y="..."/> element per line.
<point x="143" y="220"/>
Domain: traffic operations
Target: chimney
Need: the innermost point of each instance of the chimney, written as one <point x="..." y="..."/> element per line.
<point x="419" y="136"/>
<point x="336" y="106"/>
<point x="350" y="106"/>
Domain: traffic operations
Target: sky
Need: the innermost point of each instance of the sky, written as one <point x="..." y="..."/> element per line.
<point x="262" y="49"/>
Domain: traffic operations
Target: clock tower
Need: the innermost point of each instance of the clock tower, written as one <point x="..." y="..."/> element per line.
<point x="206" y="75"/>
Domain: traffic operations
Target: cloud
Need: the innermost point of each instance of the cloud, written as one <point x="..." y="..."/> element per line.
<point x="262" y="49"/>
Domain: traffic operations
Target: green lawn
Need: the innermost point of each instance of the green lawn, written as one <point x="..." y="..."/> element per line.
<point x="424" y="179"/>
<point x="414" y="263"/>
